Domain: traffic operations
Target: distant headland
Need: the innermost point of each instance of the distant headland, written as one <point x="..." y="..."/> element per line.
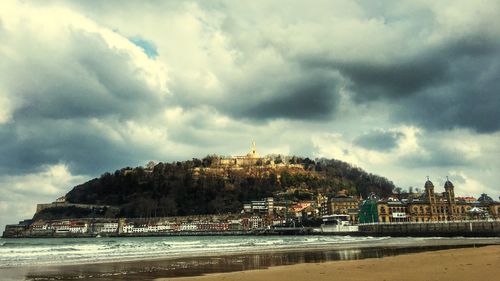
<point x="242" y="194"/>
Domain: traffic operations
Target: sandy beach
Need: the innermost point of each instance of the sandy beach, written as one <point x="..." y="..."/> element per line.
<point x="387" y="259"/>
<point x="455" y="264"/>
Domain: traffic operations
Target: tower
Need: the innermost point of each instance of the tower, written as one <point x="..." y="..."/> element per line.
<point x="450" y="191"/>
<point x="253" y="151"/>
<point x="429" y="191"/>
<point x="450" y="196"/>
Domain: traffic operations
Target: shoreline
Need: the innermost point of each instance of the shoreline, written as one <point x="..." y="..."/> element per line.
<point x="452" y="264"/>
<point x="336" y="246"/>
<point x="196" y="265"/>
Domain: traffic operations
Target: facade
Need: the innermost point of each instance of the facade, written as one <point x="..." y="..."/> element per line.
<point x="368" y="211"/>
<point x="429" y="207"/>
<point x="323" y="205"/>
<point x="251" y="159"/>
<point x="392" y="211"/>
<point x="437" y="207"/>
<point x="106" y="227"/>
<point x="344" y="205"/>
<point x="264" y="206"/>
<point x="304" y="211"/>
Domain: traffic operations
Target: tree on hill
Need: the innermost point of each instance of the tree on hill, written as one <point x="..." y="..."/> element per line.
<point x="171" y="188"/>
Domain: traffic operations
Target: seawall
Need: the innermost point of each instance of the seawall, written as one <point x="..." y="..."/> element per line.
<point x="443" y="229"/>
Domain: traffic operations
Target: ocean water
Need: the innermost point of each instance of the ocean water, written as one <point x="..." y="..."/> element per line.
<point x="60" y="251"/>
<point x="39" y="251"/>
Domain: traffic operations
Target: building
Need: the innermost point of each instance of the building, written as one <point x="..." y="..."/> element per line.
<point x="251" y="159"/>
<point x="264" y="206"/>
<point x="322" y="202"/>
<point x="368" y="211"/>
<point x="342" y="204"/>
<point x="392" y="211"/>
<point x="106" y="227"/>
<point x="486" y="203"/>
<point x="432" y="206"/>
<point x="304" y="211"/>
<point x="255" y="222"/>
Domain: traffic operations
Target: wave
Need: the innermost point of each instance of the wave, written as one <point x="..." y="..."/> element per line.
<point x="67" y="251"/>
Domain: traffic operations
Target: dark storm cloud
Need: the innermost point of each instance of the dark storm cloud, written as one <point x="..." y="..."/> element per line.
<point x="93" y="81"/>
<point x="395" y="79"/>
<point x="283" y="91"/>
<point x="379" y="140"/>
<point x="78" y="143"/>
<point x="453" y="86"/>
<point x="71" y="106"/>
<point x="471" y="100"/>
<point x="306" y="99"/>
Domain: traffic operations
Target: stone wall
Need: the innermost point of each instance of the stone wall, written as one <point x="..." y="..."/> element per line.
<point x="451" y="228"/>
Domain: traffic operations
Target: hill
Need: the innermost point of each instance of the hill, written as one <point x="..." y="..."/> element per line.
<point x="205" y="186"/>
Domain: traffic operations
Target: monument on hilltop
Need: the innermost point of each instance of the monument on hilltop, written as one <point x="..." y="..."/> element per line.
<point x="252" y="158"/>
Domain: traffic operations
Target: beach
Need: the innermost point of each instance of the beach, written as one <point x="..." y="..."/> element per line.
<point x="455" y="264"/>
<point x="257" y="258"/>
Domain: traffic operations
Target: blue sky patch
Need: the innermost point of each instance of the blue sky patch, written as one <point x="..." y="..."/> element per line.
<point x="148" y="46"/>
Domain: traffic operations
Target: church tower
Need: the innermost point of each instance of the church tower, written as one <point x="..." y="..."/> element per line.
<point x="450" y="191"/>
<point x="429" y="191"/>
<point x="253" y="151"/>
<point x="450" y="196"/>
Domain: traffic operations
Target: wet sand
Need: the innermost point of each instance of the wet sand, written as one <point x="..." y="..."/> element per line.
<point x="456" y="264"/>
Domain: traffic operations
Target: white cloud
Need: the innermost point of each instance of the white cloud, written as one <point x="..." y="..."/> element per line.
<point x="66" y="43"/>
<point x="21" y="193"/>
<point x="53" y="181"/>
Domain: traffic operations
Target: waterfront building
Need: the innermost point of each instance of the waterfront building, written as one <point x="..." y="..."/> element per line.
<point x="264" y="206"/>
<point x="432" y="206"/>
<point x="368" y="211"/>
<point x="78" y="227"/>
<point x="429" y="207"/>
<point x="213" y="226"/>
<point x="392" y="210"/>
<point x="40" y="226"/>
<point x="127" y="228"/>
<point x="106" y="227"/>
<point x="304" y="211"/>
<point x="322" y="202"/>
<point x="342" y="204"/>
<point x="235" y="224"/>
<point x="188" y="226"/>
<point x="253" y="222"/>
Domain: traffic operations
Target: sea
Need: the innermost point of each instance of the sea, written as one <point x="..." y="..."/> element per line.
<point x="47" y="251"/>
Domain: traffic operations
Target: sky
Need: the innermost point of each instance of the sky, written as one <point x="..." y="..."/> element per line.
<point x="402" y="89"/>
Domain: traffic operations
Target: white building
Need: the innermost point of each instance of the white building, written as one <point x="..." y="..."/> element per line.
<point x="109" y="227"/>
<point x="188" y="226"/>
<point x="255" y="222"/>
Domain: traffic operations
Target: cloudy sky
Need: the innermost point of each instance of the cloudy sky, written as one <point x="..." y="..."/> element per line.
<point x="404" y="89"/>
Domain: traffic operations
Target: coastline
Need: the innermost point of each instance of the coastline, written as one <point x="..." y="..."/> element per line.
<point x="452" y="264"/>
<point x="196" y="265"/>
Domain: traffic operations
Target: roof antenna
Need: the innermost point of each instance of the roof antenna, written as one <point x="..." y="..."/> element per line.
<point x="447" y="178"/>
<point x="427" y="178"/>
